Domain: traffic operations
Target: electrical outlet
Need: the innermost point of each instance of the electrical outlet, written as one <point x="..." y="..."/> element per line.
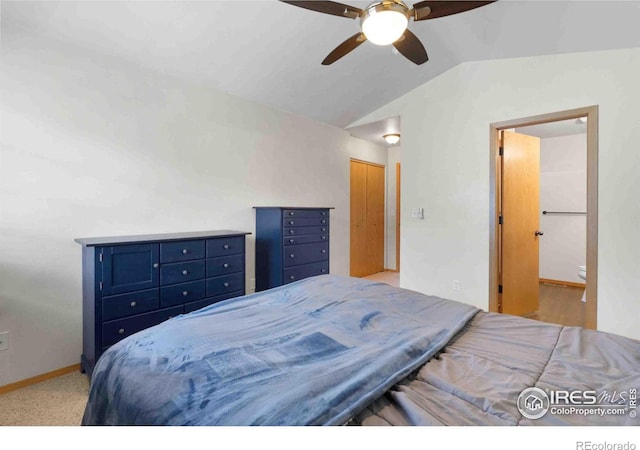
<point x="4" y="340"/>
<point x="456" y="285"/>
<point x="417" y="213"/>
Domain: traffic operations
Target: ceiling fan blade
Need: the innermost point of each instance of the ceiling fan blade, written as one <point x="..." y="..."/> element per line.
<point x="334" y="8"/>
<point x="344" y="48"/>
<point x="411" y="47"/>
<point x="434" y="9"/>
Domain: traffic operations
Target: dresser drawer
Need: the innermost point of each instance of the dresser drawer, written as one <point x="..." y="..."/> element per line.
<point x="124" y="305"/>
<point x="305" y="271"/>
<point x="181" y="251"/>
<point x="117" y="330"/>
<point x="224" y="265"/>
<point x="306" y="239"/>
<point x="287" y="213"/>
<point x="181" y="293"/>
<point x="224" y="284"/>
<point x="193" y="306"/>
<point x="305" y="221"/>
<point x="181" y="272"/>
<point x="225" y="246"/>
<point x="301" y="231"/>
<point x="305" y="253"/>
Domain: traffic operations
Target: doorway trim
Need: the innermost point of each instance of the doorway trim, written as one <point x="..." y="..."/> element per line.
<point x="591" y="113"/>
<point x="397" y="217"/>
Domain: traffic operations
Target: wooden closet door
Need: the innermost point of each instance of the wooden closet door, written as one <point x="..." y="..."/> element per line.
<point x="358" y="239"/>
<point x="367" y="219"/>
<point x="375" y="219"/>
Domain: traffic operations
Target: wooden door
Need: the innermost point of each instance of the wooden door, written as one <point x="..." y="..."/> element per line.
<point x="367" y="219"/>
<point x="520" y="222"/>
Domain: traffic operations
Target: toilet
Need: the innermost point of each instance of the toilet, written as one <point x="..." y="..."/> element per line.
<point x="582" y="273"/>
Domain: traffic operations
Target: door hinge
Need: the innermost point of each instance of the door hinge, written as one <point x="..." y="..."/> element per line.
<point x="499" y="289"/>
<point x="501" y="151"/>
<point x="101" y="285"/>
<point x="500" y="220"/>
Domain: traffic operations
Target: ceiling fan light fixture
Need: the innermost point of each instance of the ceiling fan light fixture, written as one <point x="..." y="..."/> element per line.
<point x="392" y="138"/>
<point x="384" y="22"/>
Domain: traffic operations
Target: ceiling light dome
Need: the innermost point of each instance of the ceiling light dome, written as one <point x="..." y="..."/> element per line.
<point x="392" y="138"/>
<point x="384" y="22"/>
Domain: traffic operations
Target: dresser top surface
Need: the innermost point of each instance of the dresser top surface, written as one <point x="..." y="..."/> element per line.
<point x="107" y="240"/>
<point x="294" y="207"/>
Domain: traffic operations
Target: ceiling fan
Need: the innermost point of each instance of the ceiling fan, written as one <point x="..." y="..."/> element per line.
<point x="385" y="22"/>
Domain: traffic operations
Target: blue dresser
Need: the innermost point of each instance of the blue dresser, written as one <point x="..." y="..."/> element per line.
<point x="292" y="243"/>
<point x="130" y="283"/>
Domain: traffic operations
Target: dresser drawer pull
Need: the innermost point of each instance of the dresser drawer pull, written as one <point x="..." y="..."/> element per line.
<point x="133" y="304"/>
<point x="292" y="277"/>
<point x="226" y="284"/>
<point x="323" y="270"/>
<point x="185" y="251"/>
<point x="185" y="293"/>
<point x="185" y="272"/>
<point x="291" y="222"/>
<point x="292" y="256"/>
<point x="226" y="246"/>
<point x="323" y="251"/>
<point x="225" y="265"/>
<point x="323" y="213"/>
<point x="323" y="221"/>
<point x="323" y="229"/>
<point x="291" y="231"/>
<point x="324" y="238"/>
<point x="121" y="331"/>
<point x="156" y="265"/>
<point x="292" y="240"/>
<point x="291" y="213"/>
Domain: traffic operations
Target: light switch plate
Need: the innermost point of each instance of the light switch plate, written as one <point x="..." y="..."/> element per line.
<point x="4" y="340"/>
<point x="417" y="213"/>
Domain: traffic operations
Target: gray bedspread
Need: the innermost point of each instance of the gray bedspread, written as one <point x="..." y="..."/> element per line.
<point x="477" y="378"/>
<point x="309" y="353"/>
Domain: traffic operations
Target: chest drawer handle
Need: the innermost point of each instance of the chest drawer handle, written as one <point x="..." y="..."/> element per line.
<point x="133" y="304"/>
<point x="185" y="272"/>
<point x="292" y="256"/>
<point x="323" y="213"/>
<point x="226" y="246"/>
<point x="323" y="251"/>
<point x="292" y="277"/>
<point x="291" y="222"/>
<point x="291" y="213"/>
<point x="155" y="265"/>
<point x="323" y="221"/>
<point x="225" y="265"/>
<point x="226" y="284"/>
<point x="323" y="229"/>
<point x="291" y="231"/>
<point x="292" y="240"/>
<point x="121" y="331"/>
<point x="185" y="251"/>
<point x="323" y="270"/>
<point x="324" y="238"/>
<point x="185" y="293"/>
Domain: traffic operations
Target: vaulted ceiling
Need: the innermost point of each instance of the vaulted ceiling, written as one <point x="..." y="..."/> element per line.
<point x="270" y="52"/>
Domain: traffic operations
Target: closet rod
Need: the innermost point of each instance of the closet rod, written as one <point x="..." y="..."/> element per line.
<point x="574" y="213"/>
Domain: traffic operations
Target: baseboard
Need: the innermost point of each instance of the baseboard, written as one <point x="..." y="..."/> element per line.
<point x="563" y="283"/>
<point x="389" y="270"/>
<point x="38" y="379"/>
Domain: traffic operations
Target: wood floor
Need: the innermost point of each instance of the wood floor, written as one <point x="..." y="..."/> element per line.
<point x="561" y="305"/>
<point x="390" y="277"/>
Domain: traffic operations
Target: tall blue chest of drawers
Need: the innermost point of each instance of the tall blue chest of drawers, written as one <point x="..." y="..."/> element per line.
<point x="292" y="243"/>
<point x="130" y="283"/>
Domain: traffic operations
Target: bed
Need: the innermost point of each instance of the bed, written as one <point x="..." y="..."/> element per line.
<point x="334" y="350"/>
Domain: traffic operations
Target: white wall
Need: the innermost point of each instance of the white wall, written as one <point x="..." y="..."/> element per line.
<point x="96" y="146"/>
<point x="445" y="153"/>
<point x="393" y="157"/>
<point x="563" y="187"/>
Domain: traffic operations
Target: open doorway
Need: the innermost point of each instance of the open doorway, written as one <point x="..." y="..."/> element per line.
<point x="517" y="216"/>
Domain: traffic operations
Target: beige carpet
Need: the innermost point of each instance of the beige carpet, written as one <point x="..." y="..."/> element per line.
<point x="59" y="401"/>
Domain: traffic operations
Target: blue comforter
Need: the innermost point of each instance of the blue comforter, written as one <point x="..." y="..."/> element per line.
<point x="314" y="352"/>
